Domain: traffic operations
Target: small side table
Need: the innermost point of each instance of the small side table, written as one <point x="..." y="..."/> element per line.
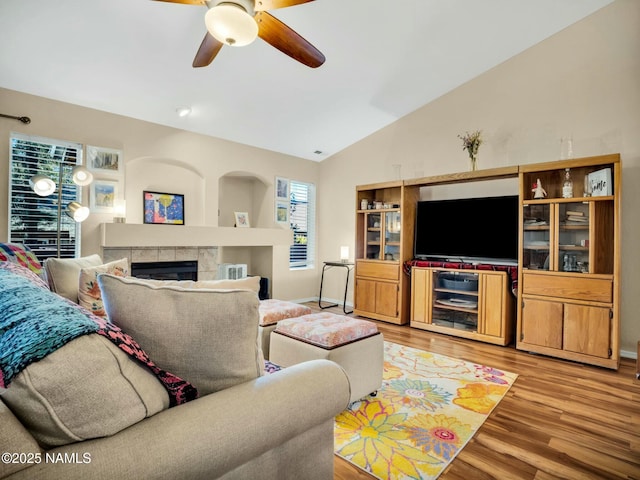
<point x="328" y="265"/>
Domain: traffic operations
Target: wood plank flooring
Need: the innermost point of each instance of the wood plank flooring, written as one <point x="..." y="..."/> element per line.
<point x="560" y="420"/>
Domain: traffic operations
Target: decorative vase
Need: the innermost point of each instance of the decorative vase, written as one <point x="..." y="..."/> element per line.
<point x="474" y="163"/>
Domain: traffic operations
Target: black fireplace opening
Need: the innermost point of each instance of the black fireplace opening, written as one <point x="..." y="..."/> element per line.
<point x="181" y="270"/>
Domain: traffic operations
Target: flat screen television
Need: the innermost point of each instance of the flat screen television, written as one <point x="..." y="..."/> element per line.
<point x="481" y="230"/>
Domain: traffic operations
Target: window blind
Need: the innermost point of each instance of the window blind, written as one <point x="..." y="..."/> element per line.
<point x="302" y="216"/>
<point x="33" y="220"/>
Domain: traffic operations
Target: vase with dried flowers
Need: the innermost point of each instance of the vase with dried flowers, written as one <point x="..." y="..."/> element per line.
<point x="471" y="143"/>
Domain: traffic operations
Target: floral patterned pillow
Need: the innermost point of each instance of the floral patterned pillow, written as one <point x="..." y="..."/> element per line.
<point x="89" y="294"/>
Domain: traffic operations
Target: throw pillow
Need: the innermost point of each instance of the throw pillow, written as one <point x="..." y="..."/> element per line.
<point x="63" y="274"/>
<point x="20" y="254"/>
<point x="88" y="388"/>
<point x="89" y="295"/>
<point x="207" y="337"/>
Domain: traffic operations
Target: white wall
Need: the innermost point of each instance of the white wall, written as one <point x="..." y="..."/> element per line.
<point x="584" y="82"/>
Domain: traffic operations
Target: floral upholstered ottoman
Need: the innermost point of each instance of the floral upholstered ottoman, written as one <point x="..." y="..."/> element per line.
<point x="271" y="312"/>
<point x="354" y="344"/>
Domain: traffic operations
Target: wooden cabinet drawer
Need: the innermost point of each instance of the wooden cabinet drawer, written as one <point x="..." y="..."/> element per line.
<point x="587" y="289"/>
<point x="378" y="270"/>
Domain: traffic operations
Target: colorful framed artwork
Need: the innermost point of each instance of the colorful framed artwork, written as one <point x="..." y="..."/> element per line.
<point x="104" y="194"/>
<point x="242" y="219"/>
<point x="163" y="208"/>
<point x="282" y="212"/>
<point x="104" y="160"/>
<point x="282" y="189"/>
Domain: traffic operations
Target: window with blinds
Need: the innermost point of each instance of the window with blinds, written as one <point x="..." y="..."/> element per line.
<point x="40" y="222"/>
<point x="302" y="216"/>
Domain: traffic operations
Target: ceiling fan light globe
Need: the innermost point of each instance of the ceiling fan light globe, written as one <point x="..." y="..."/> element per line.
<point x="231" y="24"/>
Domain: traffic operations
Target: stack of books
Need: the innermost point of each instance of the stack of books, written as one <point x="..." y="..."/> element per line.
<point x="574" y="216"/>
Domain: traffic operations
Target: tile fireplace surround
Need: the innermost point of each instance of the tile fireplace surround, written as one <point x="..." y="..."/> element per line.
<point x="207" y="257"/>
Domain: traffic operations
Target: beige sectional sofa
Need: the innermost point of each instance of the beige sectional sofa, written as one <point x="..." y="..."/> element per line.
<point x="89" y="410"/>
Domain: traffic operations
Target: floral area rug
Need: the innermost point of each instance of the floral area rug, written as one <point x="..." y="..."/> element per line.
<point x="427" y="410"/>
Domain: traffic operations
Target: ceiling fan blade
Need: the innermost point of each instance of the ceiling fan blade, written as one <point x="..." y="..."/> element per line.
<point x="185" y="2"/>
<point x="208" y="50"/>
<point x="262" y="5"/>
<point x="282" y="37"/>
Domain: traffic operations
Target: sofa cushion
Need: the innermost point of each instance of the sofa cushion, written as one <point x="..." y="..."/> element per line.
<point x="208" y="337"/>
<point x="89" y="388"/>
<point x="89" y="295"/>
<point x="63" y="274"/>
<point x="247" y="283"/>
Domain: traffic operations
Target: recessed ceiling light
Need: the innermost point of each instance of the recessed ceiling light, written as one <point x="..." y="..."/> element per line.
<point x="183" y="111"/>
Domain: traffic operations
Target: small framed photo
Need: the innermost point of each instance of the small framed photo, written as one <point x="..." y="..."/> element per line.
<point x="282" y="212"/>
<point x="242" y="219"/>
<point x="282" y="189"/>
<point x="600" y="183"/>
<point x="104" y="194"/>
<point x="163" y="208"/>
<point x="104" y="160"/>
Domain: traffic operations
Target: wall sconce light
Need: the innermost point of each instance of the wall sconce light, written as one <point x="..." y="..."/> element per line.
<point x="119" y="211"/>
<point x="344" y="254"/>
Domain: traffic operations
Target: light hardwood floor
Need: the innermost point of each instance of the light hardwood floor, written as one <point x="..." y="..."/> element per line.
<point x="560" y="420"/>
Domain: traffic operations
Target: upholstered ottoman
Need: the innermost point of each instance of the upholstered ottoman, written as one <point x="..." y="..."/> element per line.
<point x="356" y="345"/>
<point x="271" y="312"/>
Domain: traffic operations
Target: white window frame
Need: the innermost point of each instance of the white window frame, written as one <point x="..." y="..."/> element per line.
<point x="302" y="219"/>
<point x="33" y="219"/>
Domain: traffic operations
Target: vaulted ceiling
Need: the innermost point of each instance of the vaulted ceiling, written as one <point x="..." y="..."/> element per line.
<point x="383" y="60"/>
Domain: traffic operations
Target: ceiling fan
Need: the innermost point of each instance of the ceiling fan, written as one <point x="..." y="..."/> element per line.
<point x="239" y="22"/>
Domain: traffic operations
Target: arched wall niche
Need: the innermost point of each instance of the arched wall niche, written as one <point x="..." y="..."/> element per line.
<point x="240" y="191"/>
<point x="166" y="175"/>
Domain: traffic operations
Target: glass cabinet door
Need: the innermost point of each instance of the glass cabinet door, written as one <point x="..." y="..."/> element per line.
<point x="392" y="235"/>
<point x="373" y="239"/>
<point x="537" y="237"/>
<point x="573" y="237"/>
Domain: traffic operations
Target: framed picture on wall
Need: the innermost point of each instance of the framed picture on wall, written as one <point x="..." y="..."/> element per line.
<point x="104" y="194"/>
<point x="163" y="208"/>
<point x="104" y="160"/>
<point x="282" y="189"/>
<point x="242" y="219"/>
<point x="282" y="212"/>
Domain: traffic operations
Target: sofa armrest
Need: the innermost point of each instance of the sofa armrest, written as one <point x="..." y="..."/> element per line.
<point x="215" y="434"/>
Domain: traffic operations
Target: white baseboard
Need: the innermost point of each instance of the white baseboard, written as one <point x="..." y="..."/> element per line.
<point x="627" y="354"/>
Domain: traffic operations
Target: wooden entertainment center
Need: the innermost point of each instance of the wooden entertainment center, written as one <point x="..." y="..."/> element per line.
<point x="568" y="264"/>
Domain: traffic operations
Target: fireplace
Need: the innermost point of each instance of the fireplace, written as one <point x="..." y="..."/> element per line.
<point x="182" y="270"/>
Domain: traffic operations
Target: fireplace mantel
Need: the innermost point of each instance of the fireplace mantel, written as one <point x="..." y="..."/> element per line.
<point x="141" y="235"/>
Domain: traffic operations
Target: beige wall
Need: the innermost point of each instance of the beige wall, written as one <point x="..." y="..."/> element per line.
<point x="584" y="82"/>
<point x="212" y="173"/>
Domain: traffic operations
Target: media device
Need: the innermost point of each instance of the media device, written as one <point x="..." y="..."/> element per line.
<point x="478" y="230"/>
